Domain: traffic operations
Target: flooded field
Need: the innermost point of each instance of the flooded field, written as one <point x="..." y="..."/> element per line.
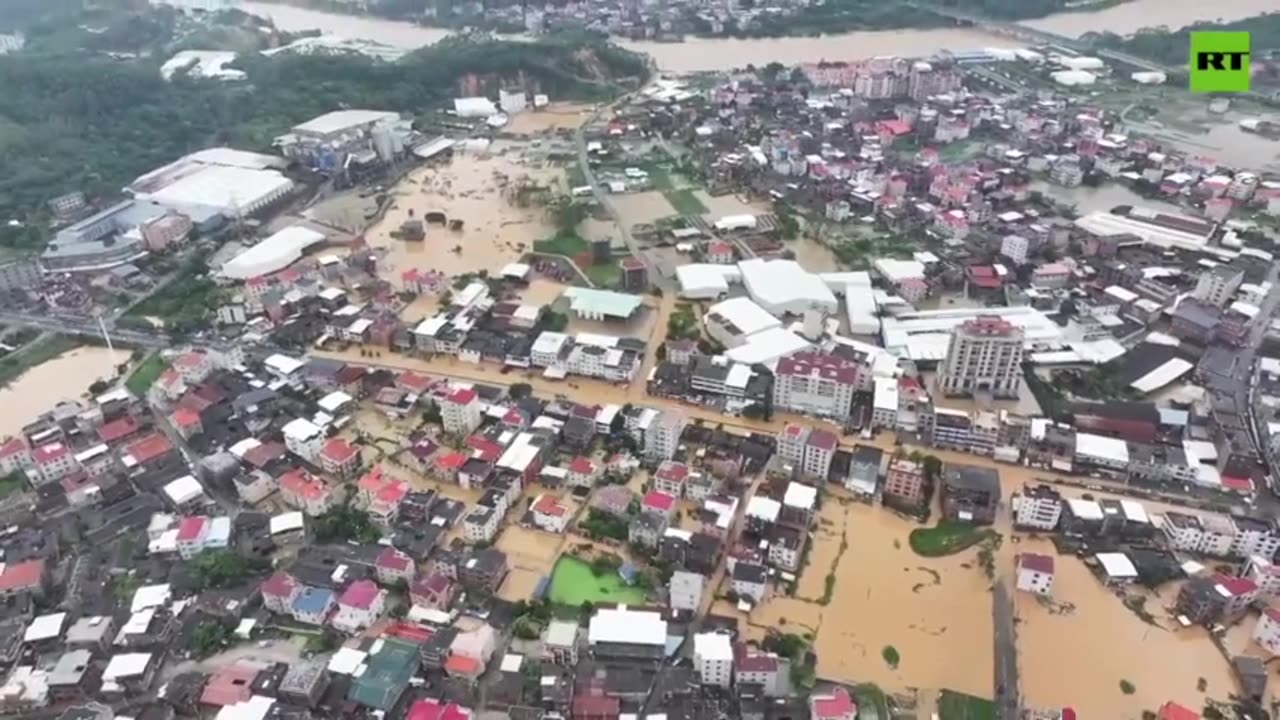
<point x="1099" y="199"/>
<point x="65" y="377"/>
<point x="555" y="116"/>
<point x="1130" y="17"/>
<point x="531" y="553"/>
<point x="720" y="205"/>
<point x="814" y="256"/>
<point x="470" y="189"/>
<point x="935" y="612"/>
<point x="1078" y="656"/>
<point x="641" y="207"/>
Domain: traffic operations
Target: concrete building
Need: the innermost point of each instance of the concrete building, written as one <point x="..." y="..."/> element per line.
<point x="1267" y="632"/>
<point x="985" y="356"/>
<point x="1218" y="285"/>
<point x="662" y="437"/>
<point x="685" y="590"/>
<point x="713" y="658"/>
<point x="460" y="411"/>
<point x="817" y="383"/>
<point x="904" y="483"/>
<point x="1015" y="248"/>
<point x="1037" y="508"/>
<point x="1035" y="573"/>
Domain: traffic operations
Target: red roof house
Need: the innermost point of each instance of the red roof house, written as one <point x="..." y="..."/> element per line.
<point x="118" y="429"/>
<point x="835" y="705"/>
<point x="431" y="709"/>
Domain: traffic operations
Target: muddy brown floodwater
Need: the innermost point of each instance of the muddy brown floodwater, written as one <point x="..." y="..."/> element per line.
<point x="65" y="377"/>
<point x="471" y="189"/>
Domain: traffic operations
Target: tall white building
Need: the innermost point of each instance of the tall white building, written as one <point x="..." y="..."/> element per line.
<point x="1015" y="248"/>
<point x="816" y="383"/>
<point x="1218" y="285"/>
<point x="460" y="411"/>
<point x="304" y="439"/>
<point x="713" y="656"/>
<point x="791" y="443"/>
<point x="662" y="437"/>
<point x="985" y="356"/>
<point x="1037" y="508"/>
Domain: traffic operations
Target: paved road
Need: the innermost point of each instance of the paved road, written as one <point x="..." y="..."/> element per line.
<point x="1008" y="698"/>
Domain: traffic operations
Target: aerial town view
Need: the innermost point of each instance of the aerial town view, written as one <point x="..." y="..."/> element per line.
<point x="823" y="360"/>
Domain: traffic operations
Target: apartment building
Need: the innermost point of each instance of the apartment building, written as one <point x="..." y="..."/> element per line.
<point x="1037" y="507"/>
<point x="816" y="383"/>
<point x="985" y="356"/>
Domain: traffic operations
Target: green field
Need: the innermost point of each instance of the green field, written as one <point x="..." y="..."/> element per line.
<point x="567" y="244"/>
<point x="607" y="276"/>
<point x="145" y="375"/>
<point x="947" y="538"/>
<point x="685" y="202"/>
<point x="573" y="583"/>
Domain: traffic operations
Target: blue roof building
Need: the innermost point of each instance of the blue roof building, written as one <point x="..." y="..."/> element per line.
<point x="313" y="605"/>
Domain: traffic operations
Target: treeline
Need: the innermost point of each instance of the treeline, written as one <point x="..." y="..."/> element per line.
<point x="1174" y="47"/>
<point x="825" y="18"/>
<point x="77" y="122"/>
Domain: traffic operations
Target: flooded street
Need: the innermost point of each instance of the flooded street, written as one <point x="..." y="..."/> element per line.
<point x="65" y="377"/>
<point x="698" y="54"/>
<point x="472" y="189"/>
<point x="1098" y="199"/>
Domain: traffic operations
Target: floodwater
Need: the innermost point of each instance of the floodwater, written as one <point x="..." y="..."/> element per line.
<point x="642" y="207"/>
<point x="719" y="206"/>
<point x="65" y="377"/>
<point x="727" y="53"/>
<point x="1099" y="199"/>
<point x="1076" y="651"/>
<point x="934" y="611"/>
<point x="471" y="189"/>
<point x="1130" y="17"/>
<point x="555" y="116"/>
<point x="1223" y="141"/>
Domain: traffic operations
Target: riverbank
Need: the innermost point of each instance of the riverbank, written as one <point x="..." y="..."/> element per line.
<point x="55" y="372"/>
<point x="719" y="54"/>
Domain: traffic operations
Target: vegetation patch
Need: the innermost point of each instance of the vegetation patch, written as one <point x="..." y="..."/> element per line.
<point x="346" y="523"/>
<point x="566" y="243"/>
<point x="574" y="582"/>
<point x="1127" y="687"/>
<point x="15" y="481"/>
<point x="599" y="524"/>
<point x="891" y="657"/>
<point x="954" y="705"/>
<point x="605" y="275"/>
<point x="685" y="202"/>
<point x="145" y="375"/>
<point x="948" y="537"/>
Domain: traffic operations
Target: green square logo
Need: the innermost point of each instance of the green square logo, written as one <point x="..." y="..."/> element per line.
<point x="1219" y="62"/>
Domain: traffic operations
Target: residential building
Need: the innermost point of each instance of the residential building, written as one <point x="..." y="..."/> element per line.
<point x="685" y="589"/>
<point x="483" y="570"/>
<point x="560" y="643"/>
<point x="670" y="478"/>
<point x="835" y="704"/>
<point x="1218" y="285"/>
<point x="340" y="458"/>
<point x="550" y="514"/>
<point x="1035" y="573"/>
<point x="1254" y="537"/>
<point x="820" y="448"/>
<point x="313" y="605"/>
<point x="1267" y="632"/>
<point x="970" y="492"/>
<point x="750" y="581"/>
<point x="1037" y="507"/>
<point x="817" y="383"/>
<point x="616" y="633"/>
<point x="460" y="411"/>
<point x="985" y="356"/>
<point x="52" y="462"/>
<point x="1265" y="574"/>
<point x="279" y="591"/>
<point x="755" y="672"/>
<point x="799" y="504"/>
<point x="434" y="591"/>
<point x="359" y="606"/>
<point x="713" y="658"/>
<point x="481" y="524"/>
<point x="662" y="437"/>
<point x="905" y="484"/>
<point x="304" y="439"/>
<point x="301" y="490"/>
<point x="791" y="443"/>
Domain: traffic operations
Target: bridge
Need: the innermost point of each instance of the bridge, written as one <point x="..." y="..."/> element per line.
<point x="1030" y="35"/>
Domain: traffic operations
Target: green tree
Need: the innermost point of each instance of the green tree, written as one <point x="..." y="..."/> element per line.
<point x="346" y="523"/>
<point x="566" y="213"/>
<point x="219" y="569"/>
<point x="520" y="391"/>
<point x="208" y="638"/>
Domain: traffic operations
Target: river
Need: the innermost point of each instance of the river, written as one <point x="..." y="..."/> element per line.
<point x="65" y="377"/>
<point x="727" y="53"/>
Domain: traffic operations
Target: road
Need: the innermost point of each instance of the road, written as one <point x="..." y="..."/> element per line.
<point x="601" y="197"/>
<point x="1007" y="696"/>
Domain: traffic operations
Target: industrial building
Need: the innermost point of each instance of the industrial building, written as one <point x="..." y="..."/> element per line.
<point x="332" y="142"/>
<point x="272" y="254"/>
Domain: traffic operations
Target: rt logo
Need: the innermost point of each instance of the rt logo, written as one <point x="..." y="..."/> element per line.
<point x="1219" y="62"/>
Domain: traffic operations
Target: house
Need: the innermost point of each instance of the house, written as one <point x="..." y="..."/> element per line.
<point x="550" y="514"/>
<point x="434" y="590"/>
<point x="26" y="578"/>
<point x="670" y="478"/>
<point x="304" y="683"/>
<point x="392" y="567"/>
<point x="750" y="581"/>
<point x="595" y="707"/>
<point x="386" y="675"/>
<point x="340" y="458"/>
<point x="613" y="499"/>
<point x="313" y="605"/>
<point x="481" y="524"/>
<point x="684" y="590"/>
<point x="1035" y="573"/>
<point x="646" y="529"/>
<point x="970" y="493"/>
<point x="658" y="503"/>
<point x="279" y="591"/>
<point x="360" y="605"/>
<point x="560" y="642"/>
<point x="231" y="684"/>
<point x="1173" y="711"/>
<point x="52" y="462"/>
<point x="755" y="672"/>
<point x="833" y="705"/>
<point x="191" y="534"/>
<point x="582" y="472"/>
<point x="623" y="633"/>
<point x="799" y="504"/>
<point x="129" y="673"/>
<point x="905" y="485"/>
<point x="431" y="709"/>
<point x="1267" y="632"/>
<point x="381" y="494"/>
<point x="301" y="490"/>
<point x="483" y="570"/>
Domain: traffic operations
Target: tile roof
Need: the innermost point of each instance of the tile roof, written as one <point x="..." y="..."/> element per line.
<point x="659" y="501"/>
<point x="339" y="451"/>
<point x="280" y="584"/>
<point x="22" y="575"/>
<point x="149" y="448"/>
<point x="191" y="527"/>
<point x="1036" y="562"/>
<point x="836" y="705"/>
<point x="118" y="428"/>
<point x="359" y="594"/>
